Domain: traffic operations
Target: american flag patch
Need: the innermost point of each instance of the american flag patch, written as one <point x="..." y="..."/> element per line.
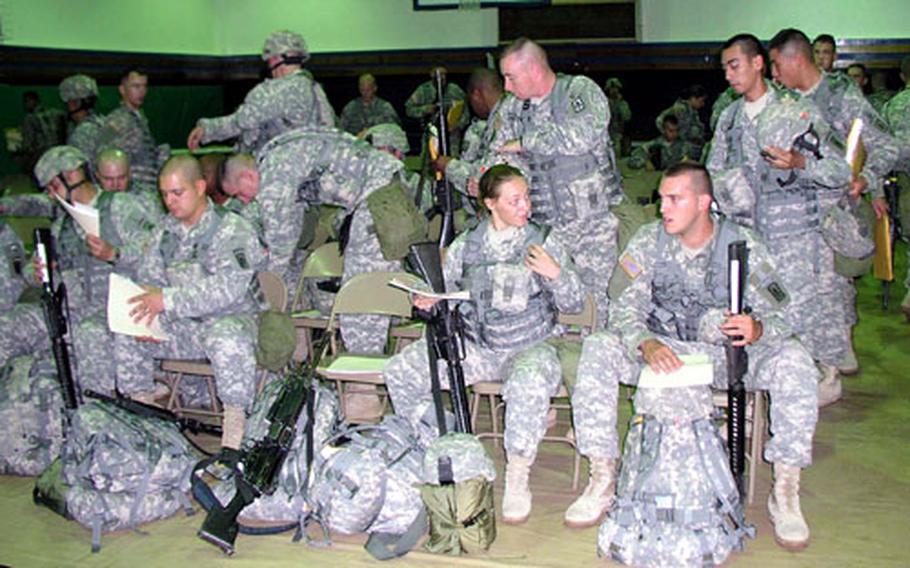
<point x="630" y="266"/>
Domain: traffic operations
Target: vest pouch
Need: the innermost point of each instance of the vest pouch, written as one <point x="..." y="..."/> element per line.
<point x="511" y="287"/>
<point x="397" y="221"/>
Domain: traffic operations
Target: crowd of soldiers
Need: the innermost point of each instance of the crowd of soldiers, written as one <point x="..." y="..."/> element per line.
<point x="540" y="151"/>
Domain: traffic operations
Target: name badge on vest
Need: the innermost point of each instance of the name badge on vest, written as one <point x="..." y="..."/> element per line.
<point x="511" y="287"/>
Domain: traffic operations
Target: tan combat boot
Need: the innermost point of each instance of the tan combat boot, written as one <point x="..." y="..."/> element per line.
<point x="849" y="365"/>
<point x="516" y="499"/>
<point x="597" y="497"/>
<point x="232" y="427"/>
<point x="790" y="528"/>
<point x="830" y="389"/>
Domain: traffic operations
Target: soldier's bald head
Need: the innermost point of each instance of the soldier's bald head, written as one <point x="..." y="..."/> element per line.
<point x="792" y="43"/>
<point x="114" y="156"/>
<point x="185" y="167"/>
<point x="113" y="169"/>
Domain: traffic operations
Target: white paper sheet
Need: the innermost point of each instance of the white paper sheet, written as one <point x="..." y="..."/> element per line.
<point x="118" y="310"/>
<point x="422" y="289"/>
<point x="85" y="215"/>
<point x="697" y="369"/>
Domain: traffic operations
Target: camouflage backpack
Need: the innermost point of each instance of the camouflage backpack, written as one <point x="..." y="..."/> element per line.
<point x="676" y="501"/>
<point x="117" y="470"/>
<point x="369" y="485"/>
<point x="458" y="494"/>
<point x="288" y="503"/>
<point x="30" y="412"/>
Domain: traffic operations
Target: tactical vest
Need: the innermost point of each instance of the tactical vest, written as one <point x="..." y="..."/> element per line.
<point x="550" y="175"/>
<point x="677" y="305"/>
<point x="265" y="131"/>
<point x="496" y="328"/>
<point x="73" y="253"/>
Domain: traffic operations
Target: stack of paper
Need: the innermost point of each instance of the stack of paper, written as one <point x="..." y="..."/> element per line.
<point x="421" y="288"/>
<point x="119" y="319"/>
<point x="85" y="215"/>
<point x="697" y="369"/>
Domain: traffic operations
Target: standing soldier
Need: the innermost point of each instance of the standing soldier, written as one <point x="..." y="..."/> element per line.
<point x="127" y="128"/>
<point x="774" y="166"/>
<point x="840" y="102"/>
<point x="556" y="128"/>
<point x="897" y="115"/>
<point x="291" y="98"/>
<point x="423" y="105"/>
<point x="367" y="110"/>
<point x="79" y="93"/>
<point x="620" y="116"/>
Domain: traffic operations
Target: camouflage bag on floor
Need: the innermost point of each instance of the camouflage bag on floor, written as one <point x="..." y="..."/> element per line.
<point x="30" y="416"/>
<point x="367" y="483"/>
<point x="458" y="494"/>
<point x="288" y="503"/>
<point x="118" y="470"/>
<point x="676" y="501"/>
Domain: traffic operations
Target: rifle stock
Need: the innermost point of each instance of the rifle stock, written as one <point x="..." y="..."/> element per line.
<point x="737" y="364"/>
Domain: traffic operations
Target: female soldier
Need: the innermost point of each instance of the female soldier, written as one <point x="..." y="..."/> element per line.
<point x="518" y="280"/>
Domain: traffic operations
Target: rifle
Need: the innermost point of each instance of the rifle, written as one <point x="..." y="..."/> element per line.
<point x="54" y="304"/>
<point x="256" y="472"/>
<point x="445" y="339"/>
<point x="891" y="187"/>
<point x="438" y="130"/>
<point x="737" y="364"/>
<point x="149" y="411"/>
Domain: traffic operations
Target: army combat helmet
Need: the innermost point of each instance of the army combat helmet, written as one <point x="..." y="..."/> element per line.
<point x="289" y="45"/>
<point x="80" y="88"/>
<point x="387" y="135"/>
<point x="57" y="160"/>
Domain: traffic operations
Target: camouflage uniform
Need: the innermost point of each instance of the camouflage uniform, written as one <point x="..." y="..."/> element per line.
<point x="12" y="255"/>
<point x="357" y="115"/>
<point x="778" y="363"/>
<point x="273" y="107"/>
<point x="126" y="226"/>
<point x="312" y="166"/>
<point x="568" y="158"/>
<point x="667" y="153"/>
<point x="88" y="136"/>
<point x="128" y="130"/>
<point x="691" y="128"/>
<point x="42" y="129"/>
<point x="28" y="205"/>
<point x="207" y="274"/>
<point x="620" y="116"/>
<point x="897" y="115"/>
<point x="750" y="192"/>
<point x="420" y="106"/>
<point x="476" y="143"/>
<point x="519" y="356"/>
<point x="840" y="102"/>
<point x="720" y="105"/>
<point x="879" y="99"/>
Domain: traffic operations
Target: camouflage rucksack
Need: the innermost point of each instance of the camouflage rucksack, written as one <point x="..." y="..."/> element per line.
<point x="368" y="484"/>
<point x="288" y="503"/>
<point x="676" y="501"/>
<point x="458" y="494"/>
<point x="118" y="470"/>
<point x="30" y="414"/>
<point x="396" y="219"/>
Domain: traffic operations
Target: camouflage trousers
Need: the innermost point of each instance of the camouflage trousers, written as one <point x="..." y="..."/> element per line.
<point x="816" y="311"/>
<point x="783" y="368"/>
<point x="363" y="333"/>
<point x="530" y="377"/>
<point x="592" y="243"/>
<point x="23" y="331"/>
<point x="228" y="342"/>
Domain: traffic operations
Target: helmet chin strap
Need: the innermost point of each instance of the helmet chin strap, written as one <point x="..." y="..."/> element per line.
<point x="70" y="188"/>
<point x="287" y="60"/>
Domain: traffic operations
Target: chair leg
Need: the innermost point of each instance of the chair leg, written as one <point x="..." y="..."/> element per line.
<point x="475" y="408"/>
<point x="756" y="448"/>
<point x="495" y="422"/>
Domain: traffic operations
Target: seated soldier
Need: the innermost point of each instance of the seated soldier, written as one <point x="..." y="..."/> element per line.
<point x="84" y="265"/>
<point x="518" y="279"/>
<point x="663" y="152"/>
<point x="673" y="303"/>
<point x="113" y="173"/>
<point x="686" y="109"/>
<point x="200" y="273"/>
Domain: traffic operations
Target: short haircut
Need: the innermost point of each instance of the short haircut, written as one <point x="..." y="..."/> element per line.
<point x="859" y="66"/>
<point x="366" y="77"/>
<point x="125" y="74"/>
<point x="825" y="38"/>
<point x="749" y="45"/>
<point x="483" y="79"/>
<point x="236" y="163"/>
<point x="527" y="48"/>
<point x="493" y="178"/>
<point x="669" y="119"/>
<point x="113" y="155"/>
<point x="694" y="91"/>
<point x="701" y="179"/>
<point x="184" y="165"/>
<point x="793" y="41"/>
